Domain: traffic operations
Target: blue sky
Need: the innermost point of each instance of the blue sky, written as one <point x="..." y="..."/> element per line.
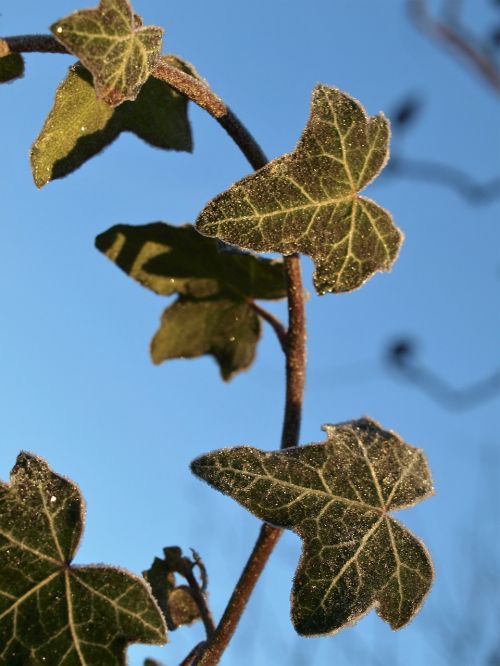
<point x="78" y="387"/>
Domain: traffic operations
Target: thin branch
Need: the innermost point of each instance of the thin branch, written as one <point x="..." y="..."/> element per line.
<point x="295" y="353"/>
<point x="34" y="44"/>
<point x="199" y="93"/>
<point x="450" y="36"/>
<point x="264" y="546"/>
<point x="446" y="175"/>
<point x="400" y="356"/>
<point x="201" y="601"/>
<point x="189" y="659"/>
<point x="273" y="321"/>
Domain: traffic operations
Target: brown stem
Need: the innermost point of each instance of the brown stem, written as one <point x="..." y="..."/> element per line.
<point x="34" y="44"/>
<point x="189" y="659"/>
<point x="197" y="91"/>
<point x="295" y="353"/>
<point x="274" y="322"/>
<point x="264" y="546"/>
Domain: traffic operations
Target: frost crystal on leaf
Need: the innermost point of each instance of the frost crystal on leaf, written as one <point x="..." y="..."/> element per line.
<point x="307" y="201"/>
<point x="114" y="46"/>
<point x="50" y="612"/>
<point x="337" y="497"/>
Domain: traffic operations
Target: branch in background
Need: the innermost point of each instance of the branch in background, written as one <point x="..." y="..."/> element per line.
<point x="452" y="34"/>
<point x="429" y="171"/>
<point x="444" y="174"/>
<point x="401" y="356"/>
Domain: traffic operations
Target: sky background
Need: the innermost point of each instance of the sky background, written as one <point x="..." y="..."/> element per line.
<point x="76" y="383"/>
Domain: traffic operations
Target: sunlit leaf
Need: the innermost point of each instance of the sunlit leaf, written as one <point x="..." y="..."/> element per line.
<point x="307" y="201"/>
<point x="337" y="496"/>
<point x="213" y="314"/>
<point x="51" y="612"/>
<point x="11" y="64"/>
<point x="114" y="46"/>
<point x="79" y="125"/>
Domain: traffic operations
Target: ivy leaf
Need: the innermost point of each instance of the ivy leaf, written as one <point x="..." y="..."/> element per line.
<point x="213" y="314"/>
<point x="114" y="46"/>
<point x="337" y="496"/>
<point x="225" y="329"/>
<point x="307" y="201"/>
<point x="51" y="612"/>
<point x="79" y="125"/>
<point x="11" y="64"/>
<point x="176" y="601"/>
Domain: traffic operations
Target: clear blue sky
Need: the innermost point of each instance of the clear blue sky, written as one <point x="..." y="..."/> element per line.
<point x="76" y="382"/>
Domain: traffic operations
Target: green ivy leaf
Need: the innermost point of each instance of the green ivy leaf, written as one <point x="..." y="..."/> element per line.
<point x="213" y="314"/>
<point x="337" y="496"/>
<point x="114" y="46"/>
<point x="225" y="329"/>
<point x="11" y="64"/>
<point x="80" y="125"/>
<point x="308" y="201"/>
<point x="50" y="612"/>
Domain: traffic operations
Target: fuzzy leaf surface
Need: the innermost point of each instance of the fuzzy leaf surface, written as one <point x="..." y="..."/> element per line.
<point x="114" y="46"/>
<point x="80" y="126"/>
<point x="51" y="612"/>
<point x="337" y="496"/>
<point x="308" y="202"/>
<point x="212" y="314"/>
<point x="11" y="64"/>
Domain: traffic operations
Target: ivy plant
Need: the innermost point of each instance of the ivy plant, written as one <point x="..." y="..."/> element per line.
<point x="337" y="495"/>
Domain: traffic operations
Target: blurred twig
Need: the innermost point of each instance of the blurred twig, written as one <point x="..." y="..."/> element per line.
<point x="451" y="33"/>
<point x="444" y="174"/>
<point x="404" y="116"/>
<point x="401" y="357"/>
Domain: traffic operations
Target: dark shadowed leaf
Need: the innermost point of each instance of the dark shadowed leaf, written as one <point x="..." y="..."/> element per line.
<point x="79" y="125"/>
<point x="176" y="601"/>
<point x="212" y="314"/>
<point x="226" y="329"/>
<point x="11" y="64"/>
<point x="114" y="46"/>
<point x="337" y="496"/>
<point x="50" y="612"/>
<point x="307" y="201"/>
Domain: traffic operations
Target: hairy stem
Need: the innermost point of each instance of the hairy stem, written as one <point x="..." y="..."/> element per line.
<point x="293" y="344"/>
<point x="189" y="659"/>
